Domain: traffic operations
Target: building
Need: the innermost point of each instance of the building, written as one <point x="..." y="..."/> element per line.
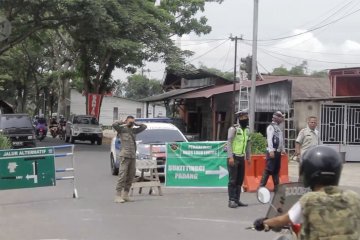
<point x="116" y="108"/>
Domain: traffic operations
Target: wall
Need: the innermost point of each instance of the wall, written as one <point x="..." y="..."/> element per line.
<point x="125" y="107"/>
<point x="304" y="109"/>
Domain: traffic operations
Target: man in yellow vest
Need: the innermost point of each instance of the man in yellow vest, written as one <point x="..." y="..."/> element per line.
<point x="238" y="150"/>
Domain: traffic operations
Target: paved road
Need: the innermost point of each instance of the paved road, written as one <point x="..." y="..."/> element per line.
<point x="52" y="213"/>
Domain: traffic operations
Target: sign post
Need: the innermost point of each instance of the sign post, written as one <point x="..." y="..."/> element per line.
<point x="196" y="164"/>
<point x="27" y="168"/>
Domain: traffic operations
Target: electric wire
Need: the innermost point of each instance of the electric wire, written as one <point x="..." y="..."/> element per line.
<point x="303" y="25"/>
<point x="307" y="31"/>
<point x="205" y="53"/>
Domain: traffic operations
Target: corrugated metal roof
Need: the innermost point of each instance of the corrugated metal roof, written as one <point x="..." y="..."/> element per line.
<point x="167" y="95"/>
<point x="302" y="88"/>
<point x="172" y="76"/>
<point x="306" y="87"/>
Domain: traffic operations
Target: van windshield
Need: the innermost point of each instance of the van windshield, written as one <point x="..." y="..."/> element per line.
<point x="15" y="122"/>
<point x="159" y="136"/>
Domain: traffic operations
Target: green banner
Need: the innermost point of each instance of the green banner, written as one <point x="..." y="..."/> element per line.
<point x="27" y="168"/>
<point x="196" y="164"/>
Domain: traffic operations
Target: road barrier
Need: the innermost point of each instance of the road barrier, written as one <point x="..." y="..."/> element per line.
<point x="149" y="176"/>
<point x="71" y="169"/>
<point x="33" y="167"/>
<point x="254" y="171"/>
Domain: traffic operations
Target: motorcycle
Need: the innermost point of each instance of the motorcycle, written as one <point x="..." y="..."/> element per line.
<point x="286" y="196"/>
<point x="41" y="131"/>
<point x="54" y="131"/>
<point x="61" y="131"/>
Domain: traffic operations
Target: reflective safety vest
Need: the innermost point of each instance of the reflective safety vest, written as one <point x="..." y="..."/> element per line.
<point x="331" y="214"/>
<point x="240" y="141"/>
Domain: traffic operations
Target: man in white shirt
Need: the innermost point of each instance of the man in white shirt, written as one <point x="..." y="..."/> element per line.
<point x="275" y="147"/>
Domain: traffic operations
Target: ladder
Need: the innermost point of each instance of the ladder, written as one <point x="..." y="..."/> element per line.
<point x="289" y="132"/>
<point x="243" y="97"/>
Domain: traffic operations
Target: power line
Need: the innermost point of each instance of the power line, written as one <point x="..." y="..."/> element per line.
<point x="325" y="53"/>
<point x="227" y="55"/>
<point x="212" y="41"/>
<point x="212" y="49"/>
<point x="310" y="59"/>
<point x="303" y="25"/>
<point x="307" y="31"/>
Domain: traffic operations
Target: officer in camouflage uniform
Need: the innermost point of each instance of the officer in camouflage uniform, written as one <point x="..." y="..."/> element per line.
<point x="126" y="132"/>
<point x="327" y="213"/>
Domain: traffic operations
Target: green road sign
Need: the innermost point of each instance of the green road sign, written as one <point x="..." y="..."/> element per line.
<point x="196" y="164"/>
<point x="27" y="168"/>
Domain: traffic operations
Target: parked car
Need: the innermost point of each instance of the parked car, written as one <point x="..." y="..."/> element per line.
<point x="19" y="129"/>
<point x="156" y="134"/>
<point x="83" y="128"/>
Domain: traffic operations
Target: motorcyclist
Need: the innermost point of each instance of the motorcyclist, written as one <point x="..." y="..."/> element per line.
<point x="53" y="122"/>
<point x="327" y="212"/>
<point x="53" y="126"/>
<point x="62" y="121"/>
<point x="41" y="122"/>
<point x="61" y="126"/>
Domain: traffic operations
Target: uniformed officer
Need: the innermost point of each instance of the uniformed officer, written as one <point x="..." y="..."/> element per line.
<point x="307" y="137"/>
<point x="238" y="151"/>
<point x="275" y="147"/>
<point x="126" y="132"/>
<point x="326" y="213"/>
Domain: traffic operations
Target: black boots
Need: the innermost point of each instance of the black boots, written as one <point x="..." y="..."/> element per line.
<point x="235" y="204"/>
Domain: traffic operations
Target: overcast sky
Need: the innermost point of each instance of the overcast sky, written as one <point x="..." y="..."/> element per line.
<point x="329" y="35"/>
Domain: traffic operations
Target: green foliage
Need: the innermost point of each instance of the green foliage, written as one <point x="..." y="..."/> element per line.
<point x="280" y="71"/>
<point x="319" y="74"/>
<point x="246" y="65"/>
<point x="4" y="142"/>
<point x="138" y="87"/>
<point x="91" y="37"/>
<point x="258" y="143"/>
<point x="226" y="75"/>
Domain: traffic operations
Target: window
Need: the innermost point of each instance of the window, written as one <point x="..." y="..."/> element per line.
<point x="115" y="114"/>
<point x="138" y="112"/>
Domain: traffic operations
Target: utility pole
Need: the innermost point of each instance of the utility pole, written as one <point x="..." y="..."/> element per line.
<point x="234" y="81"/>
<point x="254" y="67"/>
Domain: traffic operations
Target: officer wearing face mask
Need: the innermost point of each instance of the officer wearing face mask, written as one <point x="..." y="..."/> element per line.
<point x="275" y="147"/>
<point x="238" y="150"/>
<point x="126" y="132"/>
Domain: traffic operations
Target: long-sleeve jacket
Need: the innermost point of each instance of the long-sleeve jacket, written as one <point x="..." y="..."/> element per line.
<point x="127" y="138"/>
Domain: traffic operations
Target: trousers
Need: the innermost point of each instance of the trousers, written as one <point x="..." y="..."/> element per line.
<point x="127" y="172"/>
<point x="272" y="168"/>
<point x="236" y="178"/>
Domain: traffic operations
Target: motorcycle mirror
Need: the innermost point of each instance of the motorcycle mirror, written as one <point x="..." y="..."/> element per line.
<point x="263" y="195"/>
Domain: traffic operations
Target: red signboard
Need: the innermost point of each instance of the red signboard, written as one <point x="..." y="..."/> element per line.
<point x="94" y="101"/>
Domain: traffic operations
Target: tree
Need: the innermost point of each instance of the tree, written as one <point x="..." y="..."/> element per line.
<point x="299" y="70"/>
<point x="280" y="71"/>
<point x="138" y="87"/>
<point x="226" y="75"/>
<point x="108" y="34"/>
